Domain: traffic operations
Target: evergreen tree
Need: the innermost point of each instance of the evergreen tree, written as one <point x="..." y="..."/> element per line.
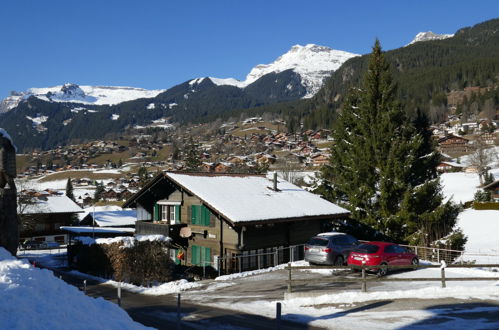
<point x="99" y="189"/>
<point x="192" y="156"/>
<point x="383" y="166"/>
<point x="143" y="176"/>
<point x="69" y="190"/>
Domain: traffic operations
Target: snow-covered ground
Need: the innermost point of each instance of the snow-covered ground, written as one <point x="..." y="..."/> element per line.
<point x="481" y="227"/>
<point x="33" y="298"/>
<point x="459" y="186"/>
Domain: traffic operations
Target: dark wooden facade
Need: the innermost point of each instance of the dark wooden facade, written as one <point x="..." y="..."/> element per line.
<point x="216" y="240"/>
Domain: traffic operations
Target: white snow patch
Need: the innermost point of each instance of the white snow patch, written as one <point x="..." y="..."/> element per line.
<point x="34" y="298"/>
<point x="460" y="186"/>
<point x="115" y="116"/>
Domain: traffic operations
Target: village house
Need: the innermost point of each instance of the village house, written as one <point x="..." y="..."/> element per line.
<point x="224" y="220"/>
<point x="494" y="190"/>
<point x="42" y="215"/>
<point x="453" y="143"/>
<point x="447" y="166"/>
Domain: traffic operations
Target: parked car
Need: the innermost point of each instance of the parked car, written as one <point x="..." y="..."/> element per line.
<point x="49" y="245"/>
<point x="329" y="248"/>
<point x="382" y="254"/>
<point x="30" y="245"/>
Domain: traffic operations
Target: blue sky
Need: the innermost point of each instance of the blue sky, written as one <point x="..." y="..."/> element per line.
<point x="157" y="44"/>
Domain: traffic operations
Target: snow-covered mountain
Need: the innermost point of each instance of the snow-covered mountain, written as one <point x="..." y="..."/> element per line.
<point x="97" y="95"/>
<point x="426" y="36"/>
<point x="312" y="62"/>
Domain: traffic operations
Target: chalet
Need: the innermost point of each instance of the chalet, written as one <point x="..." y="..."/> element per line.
<point x="319" y="159"/>
<point x="454" y="143"/>
<point x="494" y="190"/>
<point x="448" y="166"/>
<point x="222" y="167"/>
<point x="42" y="215"/>
<point x="218" y="219"/>
<point x="206" y="167"/>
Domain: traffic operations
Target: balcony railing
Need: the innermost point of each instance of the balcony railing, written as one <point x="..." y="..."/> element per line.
<point x="150" y="228"/>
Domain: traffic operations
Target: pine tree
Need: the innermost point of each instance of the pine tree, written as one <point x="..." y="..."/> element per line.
<point x="69" y="190"/>
<point x="99" y="189"/>
<point x="383" y="166"/>
<point x="192" y="156"/>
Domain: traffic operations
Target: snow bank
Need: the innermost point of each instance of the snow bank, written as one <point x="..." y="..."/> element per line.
<point x="33" y="298"/>
<point x="157" y="290"/>
<point x="128" y="242"/>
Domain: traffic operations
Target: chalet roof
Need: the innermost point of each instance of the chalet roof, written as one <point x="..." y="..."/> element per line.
<point x="249" y="198"/>
<point x="89" y="229"/>
<point x="492" y="185"/>
<point x="52" y="204"/>
<point x="114" y="218"/>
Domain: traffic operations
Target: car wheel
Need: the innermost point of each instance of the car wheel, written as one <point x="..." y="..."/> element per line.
<point x="338" y="261"/>
<point x="382" y="270"/>
<point x="415" y="263"/>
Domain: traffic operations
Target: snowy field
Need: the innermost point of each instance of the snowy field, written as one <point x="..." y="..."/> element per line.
<point x="33" y="298"/>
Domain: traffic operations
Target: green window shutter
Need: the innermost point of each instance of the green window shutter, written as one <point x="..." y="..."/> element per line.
<point x="193" y="215"/>
<point x="205" y="216"/>
<point x="195" y="255"/>
<point x="177" y="213"/>
<point x="207" y="256"/>
<point x="156" y="212"/>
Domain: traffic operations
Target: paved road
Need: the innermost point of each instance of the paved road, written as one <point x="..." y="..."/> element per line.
<point x="161" y="311"/>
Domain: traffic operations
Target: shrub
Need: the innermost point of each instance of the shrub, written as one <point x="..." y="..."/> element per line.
<point x="144" y="263"/>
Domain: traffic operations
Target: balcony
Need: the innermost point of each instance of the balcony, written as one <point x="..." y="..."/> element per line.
<point x="172" y="231"/>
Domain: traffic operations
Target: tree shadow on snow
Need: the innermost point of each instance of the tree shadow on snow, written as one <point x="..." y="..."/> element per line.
<point x="460" y="316"/>
<point x="307" y="319"/>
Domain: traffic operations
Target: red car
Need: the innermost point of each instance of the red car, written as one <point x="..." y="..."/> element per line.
<point x="382" y="253"/>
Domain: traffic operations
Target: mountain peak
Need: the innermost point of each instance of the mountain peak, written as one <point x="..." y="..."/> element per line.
<point x="312" y="62"/>
<point x="426" y="36"/>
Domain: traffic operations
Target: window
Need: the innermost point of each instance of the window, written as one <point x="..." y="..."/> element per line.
<point x="167" y="213"/>
<point x="390" y="249"/>
<point x="200" y="215"/>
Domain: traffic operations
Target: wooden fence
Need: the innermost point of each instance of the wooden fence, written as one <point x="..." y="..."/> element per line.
<point x="364" y="279"/>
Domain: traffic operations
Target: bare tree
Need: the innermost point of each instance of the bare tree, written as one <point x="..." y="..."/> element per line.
<point x="482" y="158"/>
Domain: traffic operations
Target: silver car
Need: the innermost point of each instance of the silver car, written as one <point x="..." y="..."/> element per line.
<point x="330" y="248"/>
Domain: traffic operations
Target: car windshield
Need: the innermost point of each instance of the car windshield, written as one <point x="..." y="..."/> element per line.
<point x="318" y="241"/>
<point x="367" y="248"/>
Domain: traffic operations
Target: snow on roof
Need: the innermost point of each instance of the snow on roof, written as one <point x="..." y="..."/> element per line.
<point x="115" y="218"/>
<point x="126" y="241"/>
<point x="104" y="230"/>
<point x="34" y="298"/>
<point x="249" y="198"/>
<point x="52" y="204"/>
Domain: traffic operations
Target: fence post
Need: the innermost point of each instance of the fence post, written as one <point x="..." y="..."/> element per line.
<point x="85" y="286"/>
<point x="442" y="271"/>
<point x="258" y="256"/>
<point x="289" y="277"/>
<point x="364" y="283"/>
<point x="275" y="257"/>
<point x="178" y="312"/>
<point x="438" y="255"/>
<point x="291" y="253"/>
<point x="278" y="316"/>
<point x="239" y="262"/>
<point x="119" y="293"/>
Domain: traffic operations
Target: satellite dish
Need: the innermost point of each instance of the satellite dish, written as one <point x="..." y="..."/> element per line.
<point x="185" y="232"/>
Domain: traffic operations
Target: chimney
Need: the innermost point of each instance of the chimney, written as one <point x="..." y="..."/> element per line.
<point x="275" y="180"/>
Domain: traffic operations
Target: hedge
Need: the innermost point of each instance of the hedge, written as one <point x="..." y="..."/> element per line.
<point x="145" y="263"/>
<point x="486" y="206"/>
